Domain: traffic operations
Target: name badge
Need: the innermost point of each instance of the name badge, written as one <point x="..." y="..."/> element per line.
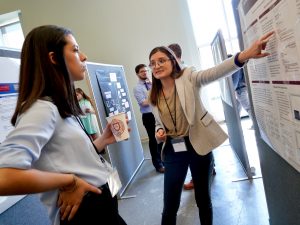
<point x="114" y="182"/>
<point x="179" y="145"/>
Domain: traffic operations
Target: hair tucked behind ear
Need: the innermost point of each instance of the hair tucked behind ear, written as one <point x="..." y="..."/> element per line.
<point x="39" y="77"/>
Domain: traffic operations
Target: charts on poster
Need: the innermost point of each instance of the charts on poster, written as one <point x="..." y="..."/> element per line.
<point x="7" y="108"/>
<point x="275" y="80"/>
<point x="114" y="91"/>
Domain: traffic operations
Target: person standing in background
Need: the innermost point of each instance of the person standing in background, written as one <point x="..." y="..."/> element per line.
<point x="88" y="118"/>
<point x="186" y="128"/>
<point x="141" y="95"/>
<point x="241" y="92"/>
<point x="176" y="48"/>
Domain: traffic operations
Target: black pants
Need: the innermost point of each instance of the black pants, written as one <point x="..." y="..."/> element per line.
<point x="176" y="166"/>
<point x="155" y="149"/>
<point x="97" y="209"/>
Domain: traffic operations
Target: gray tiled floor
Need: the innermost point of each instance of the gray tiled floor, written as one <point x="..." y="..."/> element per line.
<point x="234" y="203"/>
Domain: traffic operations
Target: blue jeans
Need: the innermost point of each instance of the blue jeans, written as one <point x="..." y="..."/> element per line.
<point x="243" y="101"/>
<point x="176" y="166"/>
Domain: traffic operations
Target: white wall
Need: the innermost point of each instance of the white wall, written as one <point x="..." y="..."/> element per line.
<point x="115" y="31"/>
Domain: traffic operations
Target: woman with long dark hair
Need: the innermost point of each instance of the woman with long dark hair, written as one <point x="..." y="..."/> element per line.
<point x="48" y="152"/>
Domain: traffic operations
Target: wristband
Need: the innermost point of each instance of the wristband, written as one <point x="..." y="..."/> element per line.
<point x="236" y="61"/>
<point x="71" y="187"/>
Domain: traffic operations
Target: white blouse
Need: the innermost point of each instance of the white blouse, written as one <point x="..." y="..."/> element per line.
<point x="43" y="140"/>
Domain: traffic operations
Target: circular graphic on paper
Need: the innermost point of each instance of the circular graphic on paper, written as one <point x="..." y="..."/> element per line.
<point x="117" y="127"/>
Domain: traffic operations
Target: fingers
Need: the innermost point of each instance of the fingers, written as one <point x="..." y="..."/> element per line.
<point x="73" y="212"/>
<point x="265" y="39"/>
<point x="69" y="202"/>
<point x="267" y="36"/>
<point x="94" y="189"/>
<point x="68" y="211"/>
<point x="127" y="121"/>
<point x="59" y="202"/>
<point x="161" y="135"/>
<point x="264" y="43"/>
<point x="261" y="55"/>
<point x="65" y="210"/>
<point x="160" y="132"/>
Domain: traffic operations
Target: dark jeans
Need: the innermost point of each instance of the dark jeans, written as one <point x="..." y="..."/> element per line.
<point x="96" y="209"/>
<point x="176" y="166"/>
<point x="155" y="149"/>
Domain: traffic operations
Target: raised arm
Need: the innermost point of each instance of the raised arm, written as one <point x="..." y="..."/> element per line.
<point x="256" y="50"/>
<point x="231" y="65"/>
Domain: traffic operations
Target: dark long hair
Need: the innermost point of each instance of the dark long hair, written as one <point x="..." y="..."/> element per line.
<point x="39" y="77"/>
<point x="156" y="83"/>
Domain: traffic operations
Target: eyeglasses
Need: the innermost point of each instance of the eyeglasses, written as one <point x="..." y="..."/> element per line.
<point x="143" y="71"/>
<point x="159" y="62"/>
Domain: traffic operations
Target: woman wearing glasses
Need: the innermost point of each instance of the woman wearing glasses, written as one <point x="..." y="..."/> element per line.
<point x="188" y="131"/>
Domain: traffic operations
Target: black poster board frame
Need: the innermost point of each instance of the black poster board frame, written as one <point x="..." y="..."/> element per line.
<point x="114" y="92"/>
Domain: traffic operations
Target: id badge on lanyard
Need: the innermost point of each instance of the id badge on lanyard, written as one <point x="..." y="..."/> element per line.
<point x="114" y="182"/>
<point x="179" y="145"/>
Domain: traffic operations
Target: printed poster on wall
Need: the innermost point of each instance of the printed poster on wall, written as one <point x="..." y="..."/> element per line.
<point x="275" y="80"/>
<point x="114" y="91"/>
<point x="9" y="86"/>
<point x="9" y="78"/>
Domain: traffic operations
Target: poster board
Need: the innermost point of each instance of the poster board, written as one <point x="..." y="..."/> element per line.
<point x="219" y="55"/>
<point x="9" y="78"/>
<point x="275" y="80"/>
<point x="231" y="113"/>
<point x="110" y="91"/>
<point x="114" y="92"/>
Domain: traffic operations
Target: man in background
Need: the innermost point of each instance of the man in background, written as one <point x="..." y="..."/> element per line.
<point x="241" y="92"/>
<point x="141" y="94"/>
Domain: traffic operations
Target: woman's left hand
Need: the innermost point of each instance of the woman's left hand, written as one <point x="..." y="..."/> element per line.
<point x="107" y="137"/>
<point x="255" y="51"/>
<point x="70" y="200"/>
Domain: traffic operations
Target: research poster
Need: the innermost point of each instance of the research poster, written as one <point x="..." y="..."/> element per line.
<point x="9" y="85"/>
<point x="114" y="91"/>
<point x="9" y="78"/>
<point x="275" y="80"/>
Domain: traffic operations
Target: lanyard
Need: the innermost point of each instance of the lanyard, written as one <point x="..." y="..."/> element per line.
<point x="173" y="119"/>
<point x="83" y="128"/>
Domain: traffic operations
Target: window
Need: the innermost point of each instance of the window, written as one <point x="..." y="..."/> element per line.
<point x="207" y="18"/>
<point x="11" y="34"/>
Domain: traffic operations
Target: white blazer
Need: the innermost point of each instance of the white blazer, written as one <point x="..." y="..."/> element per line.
<point x="204" y="132"/>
